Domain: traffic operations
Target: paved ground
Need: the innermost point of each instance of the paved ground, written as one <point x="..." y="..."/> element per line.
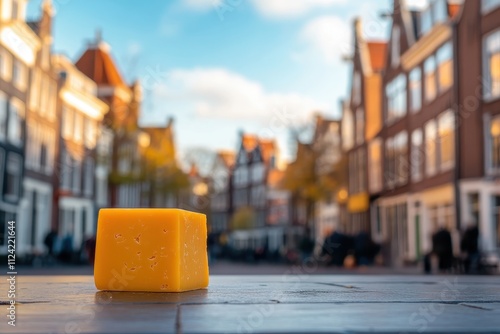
<point x="234" y="268"/>
<point x="262" y="304"/>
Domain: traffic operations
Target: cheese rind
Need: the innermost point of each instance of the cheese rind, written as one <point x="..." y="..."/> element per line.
<point x="155" y="250"/>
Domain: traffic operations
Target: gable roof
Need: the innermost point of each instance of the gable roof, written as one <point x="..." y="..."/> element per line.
<point x="227" y="157"/>
<point x="377" y="52"/>
<point x="97" y="63"/>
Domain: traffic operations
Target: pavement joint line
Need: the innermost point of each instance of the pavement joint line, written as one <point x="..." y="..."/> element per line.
<point x="338" y="285"/>
<point x="178" y="319"/>
<point x="476" y="306"/>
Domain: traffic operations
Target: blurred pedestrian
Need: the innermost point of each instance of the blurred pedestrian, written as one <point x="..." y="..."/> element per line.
<point x="469" y="246"/>
<point x="442" y="247"/>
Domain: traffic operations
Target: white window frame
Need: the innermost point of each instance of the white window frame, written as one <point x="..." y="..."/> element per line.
<point x="488" y="93"/>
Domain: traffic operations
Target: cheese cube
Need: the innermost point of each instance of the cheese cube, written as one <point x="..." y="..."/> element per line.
<point x="156" y="250"/>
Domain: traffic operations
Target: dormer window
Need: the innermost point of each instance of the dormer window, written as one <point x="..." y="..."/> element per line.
<point x="395" y="46"/>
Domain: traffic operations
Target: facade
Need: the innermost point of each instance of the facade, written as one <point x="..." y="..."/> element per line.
<point x="255" y="159"/>
<point x="327" y="145"/>
<point x="35" y="214"/>
<point x="122" y="119"/>
<point x="81" y="113"/>
<point x="361" y="125"/>
<point x="418" y="133"/>
<point x="478" y="113"/>
<point x="160" y="170"/>
<point x="19" y="47"/>
<point x="220" y="204"/>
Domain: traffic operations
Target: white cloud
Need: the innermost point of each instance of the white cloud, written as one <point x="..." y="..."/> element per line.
<point x="219" y="93"/>
<point x="328" y="36"/>
<point x="202" y="4"/>
<point x="291" y="8"/>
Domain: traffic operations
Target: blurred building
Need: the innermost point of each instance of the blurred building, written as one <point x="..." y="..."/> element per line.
<point x="123" y="101"/>
<point x="80" y="112"/>
<point x="326" y="144"/>
<point x="160" y="170"/>
<point x="478" y="118"/>
<point x="255" y="161"/>
<point x="42" y="128"/>
<point x="432" y="143"/>
<point x="220" y="188"/>
<point x="19" y="47"/>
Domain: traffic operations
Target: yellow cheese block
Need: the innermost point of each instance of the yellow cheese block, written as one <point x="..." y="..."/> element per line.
<point x="156" y="250"/>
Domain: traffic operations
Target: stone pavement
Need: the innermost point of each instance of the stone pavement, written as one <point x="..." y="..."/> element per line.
<point x="287" y="303"/>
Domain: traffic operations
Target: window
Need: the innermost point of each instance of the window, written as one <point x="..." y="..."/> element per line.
<point x="401" y="157"/>
<point x="67" y="122"/>
<point x="347" y="129"/>
<point x="77" y="175"/>
<point x="5" y="65"/>
<point x="44" y="101"/>
<point x="417" y="152"/>
<point x="90" y="133"/>
<point x="395" y="49"/>
<point x="491" y="61"/>
<point x="430" y="148"/>
<point x="89" y="176"/>
<point x="489" y="5"/>
<point x="361" y="168"/>
<point x="66" y="170"/>
<point x="375" y="167"/>
<point x="16" y="123"/>
<point x="445" y="66"/>
<point x="396" y="98"/>
<point x="360" y="126"/>
<point x="415" y="89"/>
<point x="430" y="78"/>
<point x="78" y="134"/>
<point x="19" y="74"/>
<point x="389" y="168"/>
<point x="35" y="89"/>
<point x="356" y="88"/>
<point x="425" y="22"/>
<point x="13" y="170"/>
<point x="495" y="144"/>
<point x="5" y="218"/>
<point x="496" y="219"/>
<point x="439" y="11"/>
<point x="51" y="111"/>
<point x="3" y="115"/>
<point x="446" y="125"/>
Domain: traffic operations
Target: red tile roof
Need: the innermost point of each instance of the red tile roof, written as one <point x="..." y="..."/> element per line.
<point x="453" y="9"/>
<point x="97" y="63"/>
<point x="377" y="52"/>
<point x="228" y="157"/>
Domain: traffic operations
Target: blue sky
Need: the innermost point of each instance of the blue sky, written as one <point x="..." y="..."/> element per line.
<point x="219" y="66"/>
